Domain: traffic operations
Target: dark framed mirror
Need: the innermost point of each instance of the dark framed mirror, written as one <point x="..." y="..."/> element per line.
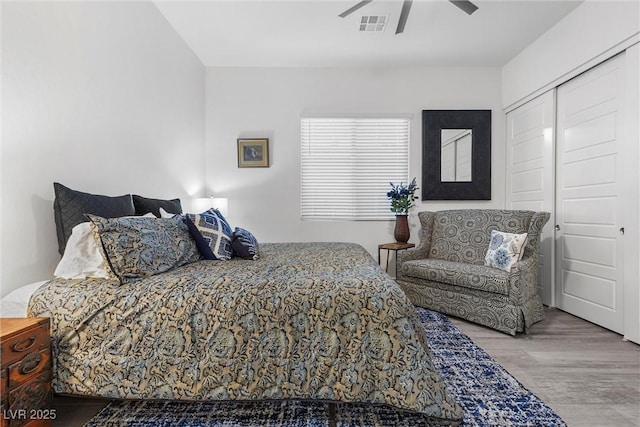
<point x="456" y="155"/>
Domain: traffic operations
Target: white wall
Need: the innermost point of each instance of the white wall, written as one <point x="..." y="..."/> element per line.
<point x="103" y="97"/>
<point x="267" y="102"/>
<point x="591" y="32"/>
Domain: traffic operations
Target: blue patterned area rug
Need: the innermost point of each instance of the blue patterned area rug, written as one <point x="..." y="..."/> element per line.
<point x="487" y="393"/>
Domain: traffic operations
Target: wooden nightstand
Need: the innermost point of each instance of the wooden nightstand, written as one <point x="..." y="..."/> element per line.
<point x="25" y="390"/>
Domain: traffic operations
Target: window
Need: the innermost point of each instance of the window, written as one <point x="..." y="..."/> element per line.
<point x="347" y="164"/>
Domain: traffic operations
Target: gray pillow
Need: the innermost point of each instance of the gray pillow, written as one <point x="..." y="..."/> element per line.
<point x="70" y="207"/>
<point x="138" y="247"/>
<point x="145" y="205"/>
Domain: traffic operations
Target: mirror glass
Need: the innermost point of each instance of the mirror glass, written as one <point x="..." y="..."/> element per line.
<point x="455" y="155"/>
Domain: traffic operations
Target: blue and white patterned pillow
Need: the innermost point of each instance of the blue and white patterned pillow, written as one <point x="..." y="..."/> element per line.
<point x="245" y="245"/>
<point x="212" y="234"/>
<point x="505" y="249"/>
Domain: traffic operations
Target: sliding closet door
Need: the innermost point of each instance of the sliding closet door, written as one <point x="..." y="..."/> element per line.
<point x="530" y="183"/>
<point x="589" y="206"/>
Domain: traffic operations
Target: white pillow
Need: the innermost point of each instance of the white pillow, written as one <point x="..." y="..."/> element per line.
<point x="82" y="256"/>
<point x="505" y="249"/>
<point x="165" y="214"/>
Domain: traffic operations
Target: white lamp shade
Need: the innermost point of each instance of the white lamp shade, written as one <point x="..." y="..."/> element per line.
<point x="222" y="204"/>
<point x="205" y="203"/>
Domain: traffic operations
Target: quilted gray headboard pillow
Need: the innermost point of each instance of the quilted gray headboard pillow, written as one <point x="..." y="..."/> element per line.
<point x="144" y="205"/>
<point x="70" y="207"/>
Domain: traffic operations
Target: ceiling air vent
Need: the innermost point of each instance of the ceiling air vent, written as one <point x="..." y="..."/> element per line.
<point x="373" y="23"/>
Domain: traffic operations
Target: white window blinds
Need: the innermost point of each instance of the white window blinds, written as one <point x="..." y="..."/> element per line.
<point x="347" y="164"/>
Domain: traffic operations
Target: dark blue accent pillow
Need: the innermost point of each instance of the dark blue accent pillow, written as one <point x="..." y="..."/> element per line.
<point x="212" y="234"/>
<point x="244" y="244"/>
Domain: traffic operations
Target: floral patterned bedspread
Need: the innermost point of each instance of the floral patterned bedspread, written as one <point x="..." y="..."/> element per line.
<point x="305" y="321"/>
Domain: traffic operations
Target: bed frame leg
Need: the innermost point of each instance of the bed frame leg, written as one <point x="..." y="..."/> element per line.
<point x="332" y="414"/>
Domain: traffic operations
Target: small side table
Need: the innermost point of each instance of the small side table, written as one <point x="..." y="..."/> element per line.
<point x="395" y="246"/>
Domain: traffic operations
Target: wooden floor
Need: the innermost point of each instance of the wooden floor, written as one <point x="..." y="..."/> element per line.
<point x="585" y="373"/>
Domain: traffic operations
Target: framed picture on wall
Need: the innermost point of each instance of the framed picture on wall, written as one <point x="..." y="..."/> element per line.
<point x="253" y="152"/>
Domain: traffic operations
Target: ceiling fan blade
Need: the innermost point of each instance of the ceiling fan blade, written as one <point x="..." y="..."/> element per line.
<point x="404" y="14"/>
<point x="465" y="5"/>
<point x="354" y="8"/>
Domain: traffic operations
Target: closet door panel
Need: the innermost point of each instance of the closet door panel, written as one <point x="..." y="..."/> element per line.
<point x="631" y="194"/>
<point x="589" y="245"/>
<point x="530" y="174"/>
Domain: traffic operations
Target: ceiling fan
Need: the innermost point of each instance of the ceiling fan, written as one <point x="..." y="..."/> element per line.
<point x="465" y="5"/>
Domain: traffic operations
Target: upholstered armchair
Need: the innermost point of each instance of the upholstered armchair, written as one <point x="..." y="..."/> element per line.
<point x="446" y="272"/>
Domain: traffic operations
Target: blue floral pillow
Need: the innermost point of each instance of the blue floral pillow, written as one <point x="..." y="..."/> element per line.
<point x="505" y="249"/>
<point x="244" y="244"/>
<point x="212" y="234"/>
<point x="137" y="247"/>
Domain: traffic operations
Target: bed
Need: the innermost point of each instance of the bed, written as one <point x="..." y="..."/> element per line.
<point x="318" y="321"/>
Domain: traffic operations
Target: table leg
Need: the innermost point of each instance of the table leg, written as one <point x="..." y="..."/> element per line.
<point x="386" y="269"/>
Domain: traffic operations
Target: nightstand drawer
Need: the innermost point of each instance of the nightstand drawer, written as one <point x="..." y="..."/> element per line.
<point x="31" y="340"/>
<point x="26" y="400"/>
<point x="25" y="387"/>
<point x="31" y="364"/>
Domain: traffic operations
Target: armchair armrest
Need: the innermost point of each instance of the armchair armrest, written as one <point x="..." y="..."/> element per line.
<point x="426" y="230"/>
<point x="419" y="252"/>
<point x="422" y="250"/>
<point x="538" y="221"/>
<point x="523" y="280"/>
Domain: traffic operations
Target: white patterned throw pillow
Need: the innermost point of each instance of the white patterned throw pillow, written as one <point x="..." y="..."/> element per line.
<point x="505" y="249"/>
<point x="212" y="233"/>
